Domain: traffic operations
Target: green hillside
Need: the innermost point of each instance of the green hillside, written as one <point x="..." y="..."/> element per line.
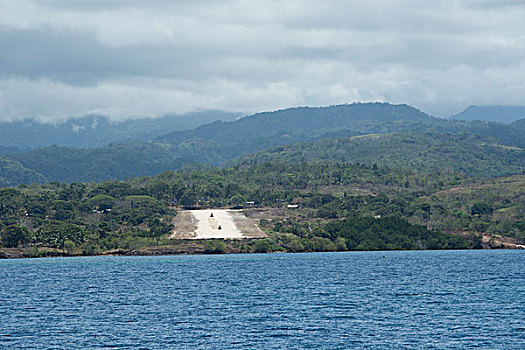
<point x="13" y="173"/>
<point x="96" y="164"/>
<point x="467" y="153"/>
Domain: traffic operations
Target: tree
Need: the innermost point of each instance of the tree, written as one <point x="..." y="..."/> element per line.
<point x="215" y="247"/>
<point x="69" y="246"/>
<point x="237" y="199"/>
<point x="188" y="198"/>
<point x="480" y="208"/>
<point x="263" y="246"/>
<point x="101" y="202"/>
<point x="56" y="233"/>
<point x="15" y="235"/>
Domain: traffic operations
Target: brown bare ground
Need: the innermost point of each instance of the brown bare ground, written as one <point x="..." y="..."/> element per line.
<point x="247" y="226"/>
<point x="184" y="226"/>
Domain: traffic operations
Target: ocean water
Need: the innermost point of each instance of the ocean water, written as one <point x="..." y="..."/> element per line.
<point x="370" y="300"/>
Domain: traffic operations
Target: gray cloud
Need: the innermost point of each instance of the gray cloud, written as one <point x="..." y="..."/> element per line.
<point x="134" y="58"/>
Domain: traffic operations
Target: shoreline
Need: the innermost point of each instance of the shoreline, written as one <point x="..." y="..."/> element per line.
<point x="24" y="253"/>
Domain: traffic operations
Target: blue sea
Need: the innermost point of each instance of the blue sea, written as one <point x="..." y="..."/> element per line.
<point x="362" y="300"/>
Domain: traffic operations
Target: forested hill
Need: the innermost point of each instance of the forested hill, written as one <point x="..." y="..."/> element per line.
<point x="306" y="124"/>
<point x="467" y="153"/>
<point x="216" y="143"/>
<point x="309" y="122"/>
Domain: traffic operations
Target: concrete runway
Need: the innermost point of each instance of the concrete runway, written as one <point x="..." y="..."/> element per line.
<point x="199" y="224"/>
<point x="208" y="227"/>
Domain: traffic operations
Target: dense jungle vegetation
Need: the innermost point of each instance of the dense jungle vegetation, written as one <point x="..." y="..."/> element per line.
<point x="341" y="206"/>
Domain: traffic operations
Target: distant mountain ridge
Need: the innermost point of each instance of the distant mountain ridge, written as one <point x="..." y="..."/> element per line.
<point x="305" y="122"/>
<point x="97" y="131"/>
<point x="502" y="114"/>
<point x="219" y="142"/>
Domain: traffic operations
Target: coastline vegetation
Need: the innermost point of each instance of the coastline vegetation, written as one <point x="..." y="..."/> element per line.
<point x="337" y="206"/>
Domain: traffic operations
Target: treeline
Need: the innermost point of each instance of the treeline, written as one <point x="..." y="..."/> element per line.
<point x="86" y="217"/>
<point x="335" y="207"/>
<point x="363" y="233"/>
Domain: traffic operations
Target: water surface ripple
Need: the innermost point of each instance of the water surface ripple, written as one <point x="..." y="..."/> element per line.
<point x="376" y="300"/>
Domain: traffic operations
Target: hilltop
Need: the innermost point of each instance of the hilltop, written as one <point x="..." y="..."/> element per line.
<point x="293" y="124"/>
<point x="502" y="114"/>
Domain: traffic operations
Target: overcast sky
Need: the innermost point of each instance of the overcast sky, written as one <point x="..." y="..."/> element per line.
<point x="64" y="58"/>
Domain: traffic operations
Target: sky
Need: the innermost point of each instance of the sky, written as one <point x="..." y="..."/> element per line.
<point x="130" y="58"/>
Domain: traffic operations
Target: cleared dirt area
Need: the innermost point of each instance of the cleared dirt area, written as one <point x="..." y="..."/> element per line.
<point x="214" y="223"/>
